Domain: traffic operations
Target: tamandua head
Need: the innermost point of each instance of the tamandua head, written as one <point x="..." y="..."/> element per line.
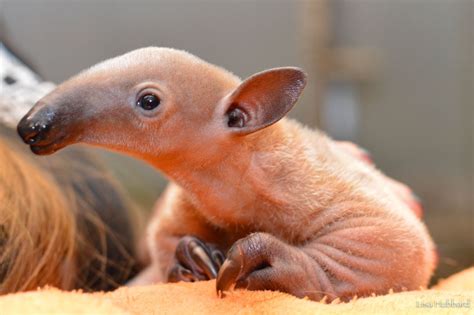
<point x="158" y="104"/>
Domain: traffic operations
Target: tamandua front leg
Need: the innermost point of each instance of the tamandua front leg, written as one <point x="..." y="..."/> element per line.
<point x="179" y="242"/>
<point x="351" y="255"/>
<point x="260" y="261"/>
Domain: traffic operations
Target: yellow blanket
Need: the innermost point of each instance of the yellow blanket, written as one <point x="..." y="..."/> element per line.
<point x="454" y="295"/>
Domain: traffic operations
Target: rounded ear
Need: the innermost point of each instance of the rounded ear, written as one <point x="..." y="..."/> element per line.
<point x="263" y="99"/>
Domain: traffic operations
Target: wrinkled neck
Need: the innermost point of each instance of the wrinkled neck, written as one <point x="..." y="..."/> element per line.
<point x="227" y="185"/>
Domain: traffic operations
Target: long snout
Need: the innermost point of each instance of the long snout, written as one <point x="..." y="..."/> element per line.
<point x="79" y="110"/>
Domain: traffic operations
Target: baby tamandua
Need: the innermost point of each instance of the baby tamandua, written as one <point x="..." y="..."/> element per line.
<point x="295" y="211"/>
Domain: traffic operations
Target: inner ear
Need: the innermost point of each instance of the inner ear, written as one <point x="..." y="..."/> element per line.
<point x="236" y="117"/>
<point x="263" y="99"/>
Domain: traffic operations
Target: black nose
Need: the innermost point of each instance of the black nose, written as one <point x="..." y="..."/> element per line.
<point x="33" y="128"/>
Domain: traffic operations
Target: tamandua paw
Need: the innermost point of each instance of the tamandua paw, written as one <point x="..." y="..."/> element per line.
<point x="195" y="261"/>
<point x="260" y="261"/>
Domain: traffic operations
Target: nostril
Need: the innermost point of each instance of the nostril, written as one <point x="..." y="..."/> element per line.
<point x="32" y="132"/>
<point x="32" y="138"/>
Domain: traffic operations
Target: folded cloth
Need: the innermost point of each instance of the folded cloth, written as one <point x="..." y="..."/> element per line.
<point x="20" y="88"/>
<point x="454" y="295"/>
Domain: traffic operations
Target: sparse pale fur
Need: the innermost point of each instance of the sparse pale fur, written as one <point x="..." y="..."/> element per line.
<point x="327" y="222"/>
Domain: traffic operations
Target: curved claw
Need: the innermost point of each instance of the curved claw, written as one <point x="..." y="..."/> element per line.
<point x="244" y="257"/>
<point x="178" y="273"/>
<point x="218" y="257"/>
<point x="196" y="261"/>
<point x="227" y="277"/>
<point x="201" y="256"/>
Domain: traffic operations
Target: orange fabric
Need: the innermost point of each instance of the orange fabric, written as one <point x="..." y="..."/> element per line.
<point x="463" y="280"/>
<point x="201" y="298"/>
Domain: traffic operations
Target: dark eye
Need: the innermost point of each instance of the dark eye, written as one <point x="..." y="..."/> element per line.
<point x="148" y="102"/>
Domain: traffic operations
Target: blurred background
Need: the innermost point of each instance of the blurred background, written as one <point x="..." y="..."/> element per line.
<point x="394" y="76"/>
